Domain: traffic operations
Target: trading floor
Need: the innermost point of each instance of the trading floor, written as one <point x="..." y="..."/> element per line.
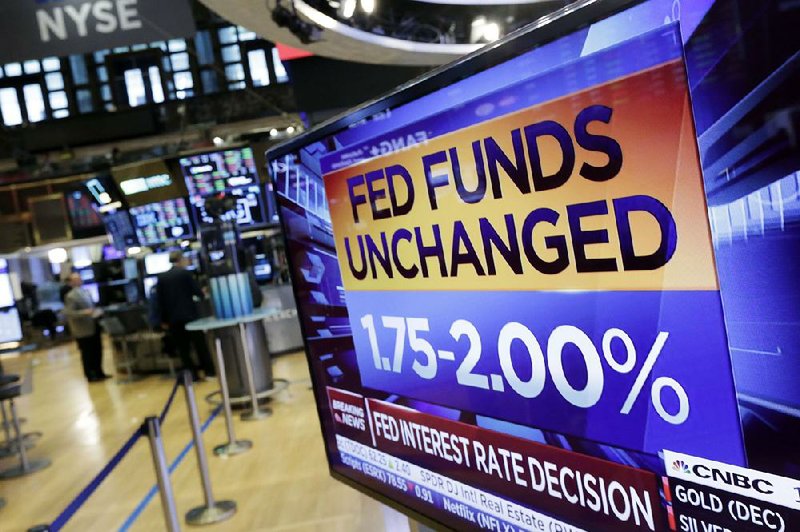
<point x="282" y="484"/>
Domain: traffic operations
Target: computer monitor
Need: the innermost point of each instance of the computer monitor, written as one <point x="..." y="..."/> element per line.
<point x="110" y="252"/>
<point x="94" y="292"/>
<point x="156" y="263"/>
<point x="161" y="222"/>
<point x="262" y="268"/>
<point x="216" y="171"/>
<point x="87" y="273"/>
<point x="10" y="325"/>
<point x="120" y="228"/>
<point x="193" y="256"/>
<point x="131" y="268"/>
<point x="232" y="172"/>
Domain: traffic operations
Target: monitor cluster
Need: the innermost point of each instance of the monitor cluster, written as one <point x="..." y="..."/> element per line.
<point x="155" y="203"/>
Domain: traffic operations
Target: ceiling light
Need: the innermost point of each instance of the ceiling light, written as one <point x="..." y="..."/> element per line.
<point x="273" y="132"/>
<point x="368" y="6"/>
<point x="134" y="250"/>
<point x="57" y="255"/>
<point x="290" y="130"/>
<point x="484" y="31"/>
<point x="348" y="8"/>
<point x="491" y="32"/>
<point x="219" y="141"/>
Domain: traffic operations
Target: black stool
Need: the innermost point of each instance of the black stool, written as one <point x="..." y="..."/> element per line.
<point x="5" y="380"/>
<point x="7" y="394"/>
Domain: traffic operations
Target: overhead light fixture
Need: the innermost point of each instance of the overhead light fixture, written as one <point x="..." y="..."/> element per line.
<point x="484" y="31"/>
<point x="348" y="8"/>
<point x="219" y="141"/>
<point x="57" y="255"/>
<point x="134" y="250"/>
<point x="368" y="6"/>
<point x="290" y="130"/>
<point x="273" y="132"/>
<point x="491" y="32"/>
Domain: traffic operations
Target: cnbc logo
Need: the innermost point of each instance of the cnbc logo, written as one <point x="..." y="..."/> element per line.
<point x="724" y="478"/>
<point x="679" y="466"/>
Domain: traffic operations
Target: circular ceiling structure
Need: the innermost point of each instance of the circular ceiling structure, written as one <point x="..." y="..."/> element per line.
<point x="411" y="33"/>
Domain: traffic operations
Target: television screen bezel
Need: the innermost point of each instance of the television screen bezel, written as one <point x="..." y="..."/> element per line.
<point x="560" y="23"/>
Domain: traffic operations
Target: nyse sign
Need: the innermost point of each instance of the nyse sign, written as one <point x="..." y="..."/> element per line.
<point x="101" y="16"/>
<point x="41" y="28"/>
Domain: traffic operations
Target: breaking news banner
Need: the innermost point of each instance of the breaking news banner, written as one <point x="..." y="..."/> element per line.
<point x="709" y="496"/>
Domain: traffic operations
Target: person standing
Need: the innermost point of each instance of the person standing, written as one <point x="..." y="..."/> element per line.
<point x="81" y="316"/>
<point x="176" y="290"/>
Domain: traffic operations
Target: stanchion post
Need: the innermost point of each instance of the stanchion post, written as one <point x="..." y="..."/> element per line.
<point x="213" y="511"/>
<point x="153" y="427"/>
<point x="233" y="446"/>
<point x="256" y="412"/>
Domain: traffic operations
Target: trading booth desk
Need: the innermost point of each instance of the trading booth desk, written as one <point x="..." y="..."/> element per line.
<point x="235" y="352"/>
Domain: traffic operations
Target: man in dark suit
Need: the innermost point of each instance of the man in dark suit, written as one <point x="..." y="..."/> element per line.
<point x="176" y="291"/>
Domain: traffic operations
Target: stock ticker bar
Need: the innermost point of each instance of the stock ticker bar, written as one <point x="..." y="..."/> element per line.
<point x="590" y="492"/>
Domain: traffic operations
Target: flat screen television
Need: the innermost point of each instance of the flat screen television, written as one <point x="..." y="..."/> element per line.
<point x="119" y="227"/>
<point x="553" y="285"/>
<point x="161" y="222"/>
<point x="211" y="172"/>
<point x="84" y="219"/>
<point x="148" y="182"/>
<point x="232" y="172"/>
<point x="156" y="263"/>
